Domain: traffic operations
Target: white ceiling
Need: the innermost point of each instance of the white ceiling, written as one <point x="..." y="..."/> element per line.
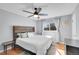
<point x="52" y="9"/>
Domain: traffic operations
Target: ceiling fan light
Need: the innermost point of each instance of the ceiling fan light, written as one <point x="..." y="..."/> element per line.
<point x="35" y="15"/>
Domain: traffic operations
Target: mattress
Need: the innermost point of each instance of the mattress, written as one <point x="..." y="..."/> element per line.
<point x="36" y="44"/>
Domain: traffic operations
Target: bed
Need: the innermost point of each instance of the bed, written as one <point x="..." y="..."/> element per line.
<point x="37" y="44"/>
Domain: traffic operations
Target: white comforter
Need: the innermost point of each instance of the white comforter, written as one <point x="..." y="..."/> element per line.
<point x="37" y="44"/>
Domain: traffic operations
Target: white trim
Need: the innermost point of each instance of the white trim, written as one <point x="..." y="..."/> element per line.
<point x="7" y="49"/>
<point x="1" y="51"/>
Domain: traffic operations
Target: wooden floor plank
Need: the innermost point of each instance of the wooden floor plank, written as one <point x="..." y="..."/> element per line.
<point x="60" y="48"/>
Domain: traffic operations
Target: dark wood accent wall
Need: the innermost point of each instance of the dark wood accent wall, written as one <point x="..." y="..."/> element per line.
<point x="19" y="29"/>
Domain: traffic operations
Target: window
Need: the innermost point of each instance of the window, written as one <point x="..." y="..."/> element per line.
<point x="50" y="26"/>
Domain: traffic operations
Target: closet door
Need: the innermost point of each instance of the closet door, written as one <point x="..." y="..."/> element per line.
<point x="65" y="27"/>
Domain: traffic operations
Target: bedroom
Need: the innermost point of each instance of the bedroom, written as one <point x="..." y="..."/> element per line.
<point x="58" y="23"/>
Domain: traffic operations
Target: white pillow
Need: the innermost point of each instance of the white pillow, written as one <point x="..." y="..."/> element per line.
<point x="24" y="35"/>
<point x="31" y="34"/>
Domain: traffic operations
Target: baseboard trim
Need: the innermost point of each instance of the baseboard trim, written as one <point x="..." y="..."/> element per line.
<point x="1" y="51"/>
<point x="7" y="49"/>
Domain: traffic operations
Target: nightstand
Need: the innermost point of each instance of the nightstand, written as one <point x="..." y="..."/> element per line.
<point x="6" y="44"/>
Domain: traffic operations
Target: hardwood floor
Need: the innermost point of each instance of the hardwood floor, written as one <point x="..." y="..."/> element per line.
<point x="15" y="51"/>
<point x="59" y="48"/>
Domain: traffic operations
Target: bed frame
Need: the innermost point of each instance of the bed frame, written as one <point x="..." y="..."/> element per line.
<point x="21" y="29"/>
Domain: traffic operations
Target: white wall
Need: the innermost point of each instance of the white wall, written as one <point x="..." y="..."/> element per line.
<point x="76" y="23"/>
<point x="39" y="27"/>
<point x="74" y="33"/>
<point x="7" y="20"/>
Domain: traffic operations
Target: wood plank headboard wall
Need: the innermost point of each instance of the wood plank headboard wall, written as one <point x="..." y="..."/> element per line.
<point x="21" y="29"/>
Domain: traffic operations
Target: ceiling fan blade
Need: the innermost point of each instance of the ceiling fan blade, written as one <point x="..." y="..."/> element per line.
<point x="30" y="15"/>
<point x="39" y="9"/>
<point x="27" y="11"/>
<point x="43" y="14"/>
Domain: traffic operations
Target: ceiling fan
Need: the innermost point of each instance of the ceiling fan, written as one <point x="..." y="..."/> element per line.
<point x="36" y="12"/>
